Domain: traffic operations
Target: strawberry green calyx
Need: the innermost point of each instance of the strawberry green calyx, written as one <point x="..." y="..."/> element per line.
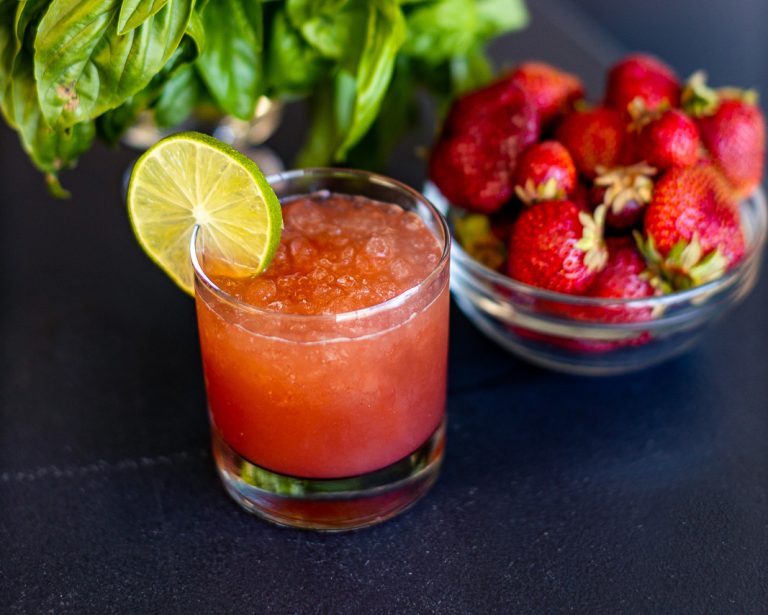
<point x="693" y="266"/>
<point x="592" y="242"/>
<point x="749" y="97"/>
<point x="697" y="98"/>
<point x="582" y="104"/>
<point x="626" y="184"/>
<point x="653" y="259"/>
<point x="532" y="193"/>
<point x="641" y="115"/>
<point x="700" y="100"/>
<point x="686" y="266"/>
<point x="660" y="285"/>
<point x="476" y="237"/>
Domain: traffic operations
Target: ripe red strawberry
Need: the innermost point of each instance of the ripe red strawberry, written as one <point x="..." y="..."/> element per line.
<point x="625" y="276"/>
<point x="692" y="226"/>
<point x="625" y="191"/>
<point x="594" y="138"/>
<point x="545" y="172"/>
<point x="643" y="76"/>
<point x="735" y="138"/>
<point x="671" y="140"/>
<point x="557" y="246"/>
<point x="469" y="173"/>
<point x="471" y="108"/>
<point x="732" y="128"/>
<point x="473" y="164"/>
<point x="552" y="90"/>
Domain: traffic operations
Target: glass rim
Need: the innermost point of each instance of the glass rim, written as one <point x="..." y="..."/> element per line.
<point x="752" y="252"/>
<point x="384" y="306"/>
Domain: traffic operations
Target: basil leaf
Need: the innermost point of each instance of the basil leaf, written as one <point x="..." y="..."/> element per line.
<point x="113" y="123"/>
<point x="195" y="32"/>
<point x="333" y="27"/>
<point x="14" y="20"/>
<point x="363" y="37"/>
<point x="231" y="65"/>
<point x="7" y="54"/>
<point x="51" y="150"/>
<point x="495" y="17"/>
<point x="446" y="29"/>
<point x="133" y="13"/>
<point x="293" y="66"/>
<point x="178" y="97"/>
<point x="332" y="107"/>
<point x="84" y="67"/>
<point x="441" y="30"/>
<point x="399" y="112"/>
<point x="385" y="33"/>
<point x="27" y="11"/>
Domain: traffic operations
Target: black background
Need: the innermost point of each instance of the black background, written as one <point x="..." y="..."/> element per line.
<point x="645" y="493"/>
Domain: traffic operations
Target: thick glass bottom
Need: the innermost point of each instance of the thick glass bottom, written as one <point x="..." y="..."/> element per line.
<point x="330" y="504"/>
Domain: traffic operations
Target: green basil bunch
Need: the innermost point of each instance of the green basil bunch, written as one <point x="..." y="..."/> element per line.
<point x="74" y="69"/>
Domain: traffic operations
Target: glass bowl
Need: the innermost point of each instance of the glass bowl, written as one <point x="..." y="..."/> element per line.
<point x="569" y="333"/>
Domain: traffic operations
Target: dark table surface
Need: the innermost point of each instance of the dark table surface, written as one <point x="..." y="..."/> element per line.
<point x="645" y="493"/>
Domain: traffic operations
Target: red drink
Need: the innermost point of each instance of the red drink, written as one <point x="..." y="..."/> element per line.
<point x="332" y="363"/>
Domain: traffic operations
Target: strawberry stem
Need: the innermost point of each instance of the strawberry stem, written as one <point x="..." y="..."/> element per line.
<point x="697" y="98"/>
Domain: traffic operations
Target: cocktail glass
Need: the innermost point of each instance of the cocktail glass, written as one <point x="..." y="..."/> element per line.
<point x="331" y="421"/>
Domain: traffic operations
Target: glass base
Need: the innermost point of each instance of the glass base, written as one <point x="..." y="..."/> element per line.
<point x="330" y="504"/>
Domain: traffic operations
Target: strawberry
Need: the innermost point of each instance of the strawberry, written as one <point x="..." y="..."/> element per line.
<point x="735" y="137"/>
<point x="594" y="138"/>
<point x="552" y="90"/>
<point x="557" y="246"/>
<point x="732" y="129"/>
<point x="624" y="277"/>
<point x="670" y="140"/>
<point x="545" y="172"/>
<point x="469" y="109"/>
<point x="625" y="191"/>
<point x="467" y="175"/>
<point x="692" y="227"/>
<point x="643" y="76"/>
<point x="473" y="163"/>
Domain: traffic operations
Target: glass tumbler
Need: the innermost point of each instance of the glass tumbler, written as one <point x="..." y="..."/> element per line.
<point x="330" y="421"/>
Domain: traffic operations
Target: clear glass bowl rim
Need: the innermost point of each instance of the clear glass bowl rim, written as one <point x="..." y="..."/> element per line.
<point x="752" y="252"/>
<point x="337" y="173"/>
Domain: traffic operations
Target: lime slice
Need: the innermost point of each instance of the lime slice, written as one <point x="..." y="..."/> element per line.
<point x="191" y="179"/>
